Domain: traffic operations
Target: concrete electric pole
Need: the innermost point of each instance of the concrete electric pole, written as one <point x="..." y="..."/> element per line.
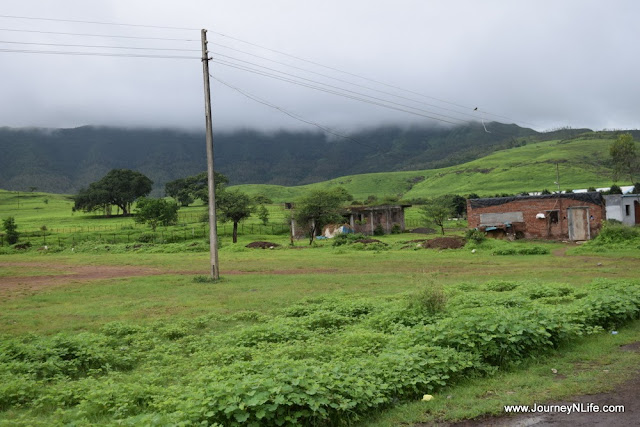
<point x="213" y="228"/>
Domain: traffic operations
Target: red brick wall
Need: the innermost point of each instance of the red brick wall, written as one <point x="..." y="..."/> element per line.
<point x="541" y="228"/>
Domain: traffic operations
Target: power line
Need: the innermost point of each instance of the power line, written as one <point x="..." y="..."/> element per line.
<point x="98" y="22"/>
<point x="98" y="46"/>
<point x="339" y="88"/>
<point x="344" y="81"/>
<point x="333" y="92"/>
<point x="96" y="35"/>
<point x="290" y="114"/>
<point x="363" y="77"/>
<point x="349" y="94"/>
<point x="124" y="55"/>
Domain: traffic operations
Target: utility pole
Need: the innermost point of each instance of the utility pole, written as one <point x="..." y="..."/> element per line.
<point x="213" y="227"/>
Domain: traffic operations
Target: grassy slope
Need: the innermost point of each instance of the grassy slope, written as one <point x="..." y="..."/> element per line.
<point x="529" y="168"/>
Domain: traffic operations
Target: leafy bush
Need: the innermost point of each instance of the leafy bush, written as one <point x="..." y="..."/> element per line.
<point x="475" y="235"/>
<point x="379" y="230"/>
<point x="431" y="300"/>
<point x="323" y="361"/>
<point x="615" y="233"/>
<point x="146" y="238"/>
<point x="501" y="285"/>
<point x="533" y="250"/>
<point x="346" y="238"/>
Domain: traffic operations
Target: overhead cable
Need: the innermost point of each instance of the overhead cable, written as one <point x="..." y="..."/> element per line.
<point x="77" y="21"/>
<point x="288" y="113"/>
<point x="97" y="35"/>
<point x="357" y="98"/>
<point x="346" y="81"/>
<point x="337" y="88"/>
<point x="468" y="108"/>
<point x="98" y="46"/>
<point x="125" y="55"/>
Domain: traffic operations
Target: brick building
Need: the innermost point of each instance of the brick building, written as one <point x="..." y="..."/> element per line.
<point x="573" y="216"/>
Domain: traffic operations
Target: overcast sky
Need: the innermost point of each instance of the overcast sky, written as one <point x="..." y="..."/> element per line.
<point x="540" y="64"/>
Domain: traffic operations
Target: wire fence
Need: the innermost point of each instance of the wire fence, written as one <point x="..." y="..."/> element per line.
<point x="138" y="233"/>
<point x="114" y="235"/>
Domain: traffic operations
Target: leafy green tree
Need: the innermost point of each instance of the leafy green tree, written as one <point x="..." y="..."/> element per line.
<point x="263" y="214"/>
<point x="262" y="199"/>
<point x="120" y="187"/>
<point x="437" y="212"/>
<point x="625" y="157"/>
<point x="156" y="212"/>
<point x="458" y="204"/>
<point x="615" y="189"/>
<point x="319" y="208"/>
<point x="186" y="190"/>
<point x="11" y="230"/>
<point x="234" y="206"/>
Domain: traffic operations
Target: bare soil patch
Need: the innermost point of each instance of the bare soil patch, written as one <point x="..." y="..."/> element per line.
<point x="64" y="274"/>
<point x="445" y="243"/>
<point x="59" y="275"/>
<point x="262" y="245"/>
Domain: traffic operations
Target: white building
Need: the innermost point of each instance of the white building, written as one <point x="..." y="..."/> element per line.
<point x="623" y="207"/>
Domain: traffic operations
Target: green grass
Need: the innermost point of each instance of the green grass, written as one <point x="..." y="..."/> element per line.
<point x="593" y="365"/>
<point x="582" y="164"/>
<point x="260" y="284"/>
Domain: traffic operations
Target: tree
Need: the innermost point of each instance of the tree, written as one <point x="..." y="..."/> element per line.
<point x="11" y="229"/>
<point x="263" y="214"/>
<point x="120" y="187"/>
<point x="185" y="190"/>
<point x="625" y="157"/>
<point x="156" y="212"/>
<point x="458" y="204"/>
<point x="615" y="189"/>
<point x="437" y="212"/>
<point x="234" y="206"/>
<point x="319" y="208"/>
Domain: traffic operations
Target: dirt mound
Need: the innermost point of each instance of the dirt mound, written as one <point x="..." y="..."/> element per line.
<point x="445" y="243"/>
<point x="367" y="241"/>
<point x="423" y="230"/>
<point x="262" y="245"/>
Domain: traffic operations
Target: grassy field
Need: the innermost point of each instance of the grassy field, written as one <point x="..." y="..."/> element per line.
<point x="108" y="327"/>
<point x="582" y="164"/>
<point x="86" y="341"/>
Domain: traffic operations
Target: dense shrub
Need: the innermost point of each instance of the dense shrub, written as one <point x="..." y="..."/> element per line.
<point x="325" y="361"/>
<point x="616" y="233"/>
<point x="475" y="235"/>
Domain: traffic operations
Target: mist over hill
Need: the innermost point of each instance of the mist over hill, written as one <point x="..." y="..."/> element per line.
<point x="65" y="160"/>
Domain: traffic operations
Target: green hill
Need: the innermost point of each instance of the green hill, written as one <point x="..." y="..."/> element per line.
<point x="65" y="160"/>
<point x="582" y="162"/>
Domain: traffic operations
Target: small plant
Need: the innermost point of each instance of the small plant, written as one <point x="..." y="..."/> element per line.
<point x="346" y="238"/>
<point x="378" y="231"/>
<point x="146" y="238"/>
<point x="431" y="300"/>
<point x="11" y="230"/>
<point x="615" y="232"/>
<point x="204" y="279"/>
<point x="396" y="229"/>
<point x="475" y="235"/>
